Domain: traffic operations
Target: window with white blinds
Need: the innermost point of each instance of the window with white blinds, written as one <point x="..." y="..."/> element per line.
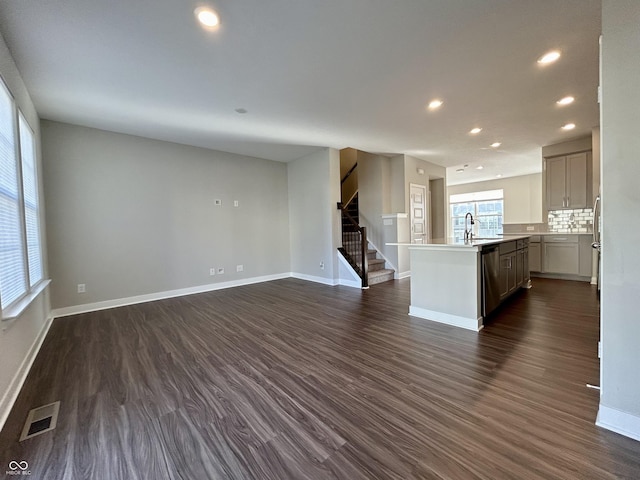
<point x="20" y="249"/>
<point x="30" y="196"/>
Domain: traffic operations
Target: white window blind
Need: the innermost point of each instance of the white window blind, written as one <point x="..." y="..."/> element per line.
<point x="13" y="278"/>
<point x="31" y="205"/>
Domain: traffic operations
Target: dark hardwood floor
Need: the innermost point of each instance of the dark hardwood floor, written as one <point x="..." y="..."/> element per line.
<point x="295" y="380"/>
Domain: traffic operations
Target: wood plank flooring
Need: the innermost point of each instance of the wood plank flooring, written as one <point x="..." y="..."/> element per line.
<point x="295" y="380"/>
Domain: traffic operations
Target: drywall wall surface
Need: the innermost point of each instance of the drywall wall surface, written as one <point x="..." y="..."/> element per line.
<point x="348" y="158"/>
<point x="620" y="200"/>
<point x="374" y="179"/>
<point x="129" y="216"/>
<point x="522" y="196"/>
<point x="313" y="197"/>
<point x="349" y="185"/>
<point x="19" y="337"/>
<point x="334" y="213"/>
<point x="397" y="185"/>
<point x="438" y="208"/>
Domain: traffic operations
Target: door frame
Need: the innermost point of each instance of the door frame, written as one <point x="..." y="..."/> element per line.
<point x="426" y="213"/>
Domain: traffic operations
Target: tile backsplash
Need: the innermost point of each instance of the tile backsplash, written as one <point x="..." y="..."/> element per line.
<point x="578" y="220"/>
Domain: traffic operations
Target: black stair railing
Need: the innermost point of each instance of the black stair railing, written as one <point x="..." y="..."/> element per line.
<point x="348" y="174"/>
<point x="354" y="244"/>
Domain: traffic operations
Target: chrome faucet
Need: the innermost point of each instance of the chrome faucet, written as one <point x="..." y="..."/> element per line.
<point x="468" y="233"/>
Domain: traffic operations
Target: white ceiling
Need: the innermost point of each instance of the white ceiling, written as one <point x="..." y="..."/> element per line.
<point x="337" y="73"/>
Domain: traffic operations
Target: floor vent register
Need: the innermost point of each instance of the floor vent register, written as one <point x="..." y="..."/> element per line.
<point x="40" y="420"/>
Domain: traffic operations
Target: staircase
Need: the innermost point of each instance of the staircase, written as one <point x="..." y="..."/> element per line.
<point x="353" y="248"/>
<point x="376" y="272"/>
<point x="351" y="209"/>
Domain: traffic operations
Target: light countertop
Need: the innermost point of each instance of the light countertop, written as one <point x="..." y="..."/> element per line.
<point x="450" y="242"/>
<point x="531" y="234"/>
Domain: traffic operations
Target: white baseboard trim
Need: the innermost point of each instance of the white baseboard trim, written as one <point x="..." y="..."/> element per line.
<point x="121" y="302"/>
<point x="313" y="278"/>
<point x="350" y="283"/>
<point x="594" y="280"/>
<point x="474" y="324"/>
<point x="401" y="275"/>
<point x="11" y="395"/>
<point x="619" y="422"/>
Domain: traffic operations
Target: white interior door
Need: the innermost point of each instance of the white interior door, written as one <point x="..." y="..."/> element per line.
<point x="419" y="208"/>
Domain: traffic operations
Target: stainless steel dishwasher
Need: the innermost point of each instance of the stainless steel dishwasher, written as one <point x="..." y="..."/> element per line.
<point x="490" y="279"/>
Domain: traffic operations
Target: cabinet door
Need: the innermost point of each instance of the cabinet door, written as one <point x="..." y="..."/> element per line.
<point x="535" y="264"/>
<point x="513" y="281"/>
<point x="556" y="183"/>
<point x="577" y="183"/>
<point x="527" y="274"/>
<point x="561" y="258"/>
<point x="519" y="267"/>
<point x="505" y="266"/>
<point x="586" y="256"/>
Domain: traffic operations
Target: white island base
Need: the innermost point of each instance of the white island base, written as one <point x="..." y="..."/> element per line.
<point x="446" y="285"/>
<point x="447" y="278"/>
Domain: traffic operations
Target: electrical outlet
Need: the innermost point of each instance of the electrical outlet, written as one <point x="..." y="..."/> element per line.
<point x="212" y="271"/>
<point x="217" y="202"/>
<point x="236" y="203"/>
<point x="321" y="265"/>
<point x="220" y="271"/>
<point x="239" y="268"/>
<point x="82" y="288"/>
<point x="530" y="228"/>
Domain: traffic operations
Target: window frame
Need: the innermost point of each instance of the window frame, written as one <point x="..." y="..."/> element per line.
<point x="499" y="196"/>
<point x="30" y="292"/>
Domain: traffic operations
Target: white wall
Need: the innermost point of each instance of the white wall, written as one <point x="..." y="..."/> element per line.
<point x="314" y="192"/>
<point x="19" y="338"/>
<point x="620" y="395"/>
<point x="522" y="196"/>
<point x="374" y="176"/>
<point x="348" y="158"/>
<point x="131" y="216"/>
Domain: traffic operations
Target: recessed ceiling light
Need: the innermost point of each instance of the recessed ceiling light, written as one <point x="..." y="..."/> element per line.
<point x="475" y="130"/>
<point x="499" y="175"/>
<point x="460" y="170"/>
<point x="241" y="110"/>
<point x="207" y="17"/>
<point x="569" y="126"/>
<point x="549" y="57"/>
<point x="496" y="144"/>
<point x="479" y="167"/>
<point x="433" y="104"/>
<point x="565" y="101"/>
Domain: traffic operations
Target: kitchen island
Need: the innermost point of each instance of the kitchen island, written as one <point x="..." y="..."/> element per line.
<point x="459" y="282"/>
